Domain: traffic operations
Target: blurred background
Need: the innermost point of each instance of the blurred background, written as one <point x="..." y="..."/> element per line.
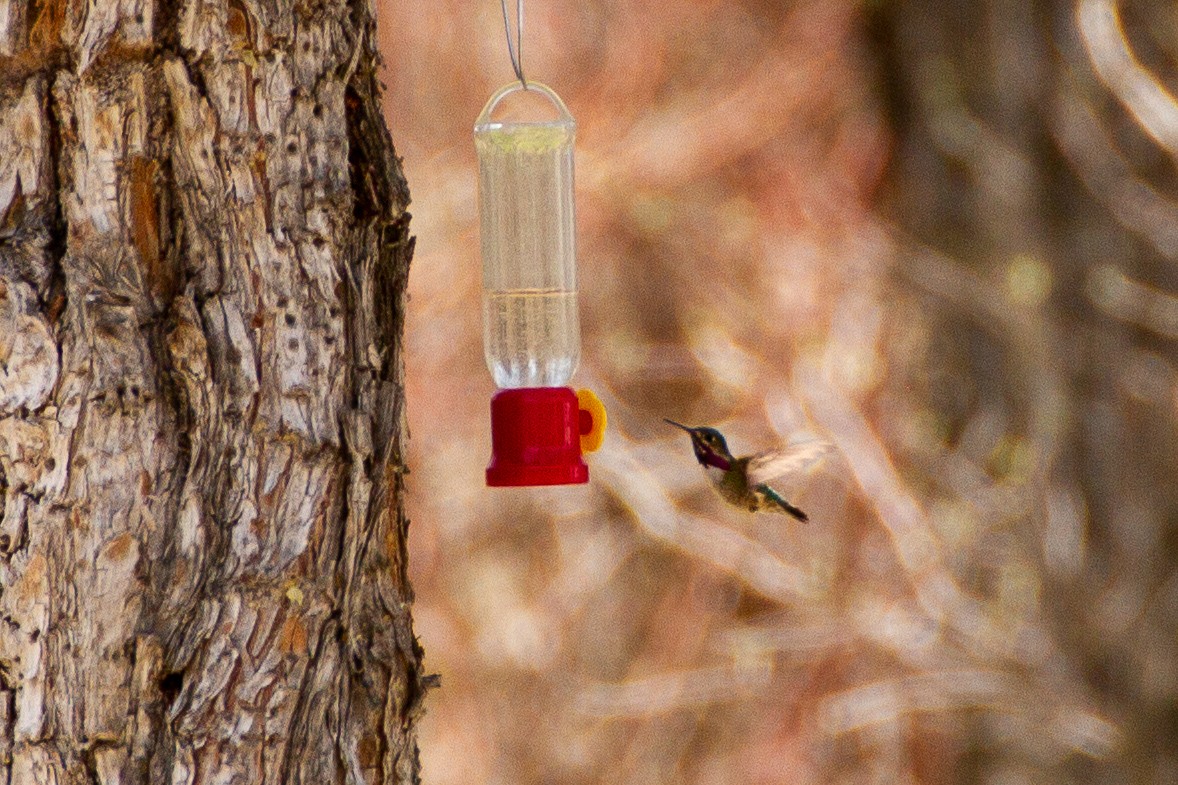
<point x="941" y="235"/>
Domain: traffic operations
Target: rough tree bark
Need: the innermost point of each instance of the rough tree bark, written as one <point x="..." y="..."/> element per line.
<point x="203" y="256"/>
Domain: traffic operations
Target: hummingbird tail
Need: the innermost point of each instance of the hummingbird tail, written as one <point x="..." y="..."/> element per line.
<point x="780" y="501"/>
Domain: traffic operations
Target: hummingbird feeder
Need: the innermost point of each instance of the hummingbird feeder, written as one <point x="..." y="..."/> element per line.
<point x="540" y="427"/>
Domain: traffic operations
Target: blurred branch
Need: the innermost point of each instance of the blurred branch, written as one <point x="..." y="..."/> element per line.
<point x="1135" y="87"/>
<point x="1137" y="204"/>
<point x="673" y="691"/>
<point x="710" y="542"/>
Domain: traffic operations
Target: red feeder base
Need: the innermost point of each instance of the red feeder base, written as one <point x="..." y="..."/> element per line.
<point x="536" y="438"/>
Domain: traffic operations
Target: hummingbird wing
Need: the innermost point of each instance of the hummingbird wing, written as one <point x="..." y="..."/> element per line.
<point x="794" y="459"/>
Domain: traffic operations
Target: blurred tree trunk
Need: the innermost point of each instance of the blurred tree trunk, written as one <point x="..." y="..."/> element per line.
<point x="203" y="256"/>
<point x="1040" y="219"/>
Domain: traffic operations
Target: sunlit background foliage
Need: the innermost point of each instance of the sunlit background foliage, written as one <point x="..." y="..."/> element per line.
<point x="942" y="236"/>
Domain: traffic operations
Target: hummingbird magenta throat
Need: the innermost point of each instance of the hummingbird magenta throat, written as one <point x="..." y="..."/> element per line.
<point x="743" y="482"/>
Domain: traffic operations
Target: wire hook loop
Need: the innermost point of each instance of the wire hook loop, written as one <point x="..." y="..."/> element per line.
<point x="516" y="51"/>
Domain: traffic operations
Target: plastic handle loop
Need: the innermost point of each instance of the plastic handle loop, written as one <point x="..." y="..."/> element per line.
<point x="484" y="121"/>
<point x="593" y="420"/>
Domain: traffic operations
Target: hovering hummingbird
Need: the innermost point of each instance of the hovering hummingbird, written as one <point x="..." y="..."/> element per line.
<point x="743" y="482"/>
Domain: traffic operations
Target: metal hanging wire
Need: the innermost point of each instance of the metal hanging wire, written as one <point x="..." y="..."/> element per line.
<point x="515" y="51"/>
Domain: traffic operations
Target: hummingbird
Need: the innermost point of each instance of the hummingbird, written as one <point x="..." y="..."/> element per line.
<point x="743" y="482"/>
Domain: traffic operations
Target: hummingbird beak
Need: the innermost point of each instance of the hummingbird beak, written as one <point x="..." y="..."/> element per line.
<point x="694" y="433"/>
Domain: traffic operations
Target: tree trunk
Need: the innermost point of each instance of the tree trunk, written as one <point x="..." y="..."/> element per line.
<point x="203" y="256"/>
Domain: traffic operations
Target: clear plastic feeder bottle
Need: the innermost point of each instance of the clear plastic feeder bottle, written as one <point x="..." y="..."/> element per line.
<point x="531" y="328"/>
